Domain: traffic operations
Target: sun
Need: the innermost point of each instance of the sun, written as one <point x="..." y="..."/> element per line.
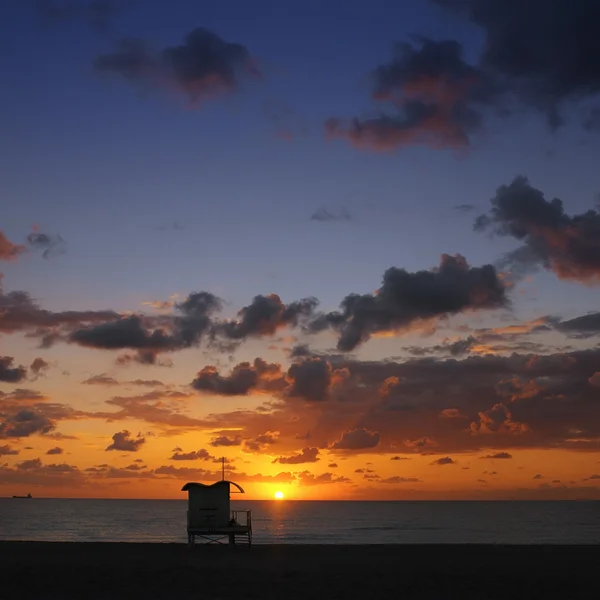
<point x="279" y="496"/>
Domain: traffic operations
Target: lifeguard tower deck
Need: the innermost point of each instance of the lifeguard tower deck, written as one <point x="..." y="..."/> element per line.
<point x="210" y="517"/>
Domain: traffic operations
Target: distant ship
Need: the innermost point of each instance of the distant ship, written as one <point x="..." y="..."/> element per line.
<point x="28" y="496"/>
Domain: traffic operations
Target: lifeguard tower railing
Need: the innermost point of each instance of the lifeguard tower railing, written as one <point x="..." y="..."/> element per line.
<point x="205" y="524"/>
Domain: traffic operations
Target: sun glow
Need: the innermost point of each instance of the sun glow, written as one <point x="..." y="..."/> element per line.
<point x="279" y="496"/>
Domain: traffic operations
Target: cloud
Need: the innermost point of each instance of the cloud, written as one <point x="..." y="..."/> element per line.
<point x="498" y="420"/>
<point x="307" y="455"/>
<point x="159" y="407"/>
<point x="446" y="460"/>
<point x="435" y="98"/>
<point x="565" y="245"/>
<point x="10" y="374"/>
<point x="244" y="378"/>
<point x="262" y="441"/>
<point x="48" y="245"/>
<point x="357" y="439"/>
<point x="203" y="66"/>
<point x="323" y="215"/>
<point x="125" y="443"/>
<point x="580" y="327"/>
<point x="8" y="250"/>
<point x="153" y="335"/>
<point x="7" y="450"/>
<point x="127" y="332"/>
<point x="38" y="366"/>
<point x="265" y="316"/>
<point x="143" y="357"/>
<point x="498" y="455"/>
<point x="55" y="450"/>
<point x="24" y="423"/>
<point x="196" y="455"/>
<point x="542" y="52"/>
<point x="21" y="313"/>
<point x="406" y="298"/>
<point x="307" y="478"/>
<point x="102" y="379"/>
<point x="399" y="458"/>
<point x="311" y="379"/>
<point x="398" y="479"/>
<point x="226" y="441"/>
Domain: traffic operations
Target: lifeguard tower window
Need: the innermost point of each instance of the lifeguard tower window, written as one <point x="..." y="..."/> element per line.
<point x="209" y="515"/>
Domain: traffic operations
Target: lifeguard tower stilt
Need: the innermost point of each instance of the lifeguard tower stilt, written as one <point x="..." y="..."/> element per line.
<point x="209" y="514"/>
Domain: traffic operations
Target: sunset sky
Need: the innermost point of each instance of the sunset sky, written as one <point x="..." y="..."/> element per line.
<point x="352" y="247"/>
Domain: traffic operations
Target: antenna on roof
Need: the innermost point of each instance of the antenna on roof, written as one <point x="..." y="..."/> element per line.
<point x="222" y="468"/>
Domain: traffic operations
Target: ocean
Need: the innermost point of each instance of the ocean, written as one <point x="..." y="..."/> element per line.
<point x="309" y="522"/>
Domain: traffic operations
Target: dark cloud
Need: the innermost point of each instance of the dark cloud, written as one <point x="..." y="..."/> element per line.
<point x="265" y="315"/>
<point x="357" y="439"/>
<point x="544" y="53"/>
<point x="398" y="479"/>
<point x="7" y="450"/>
<point x="307" y="455"/>
<point x="8" y="250"/>
<point x="446" y="460"/>
<point x="102" y="379"/>
<point x="399" y="458"/>
<point x="243" y="379"/>
<point x="436" y="99"/>
<point x="123" y="442"/>
<point x="568" y="246"/>
<point x="405" y="298"/>
<point x="48" y="245"/>
<point x="324" y="215"/>
<point x="153" y="335"/>
<point x="310" y="379"/>
<point x="195" y="455"/>
<point x="10" y="374"/>
<point x="203" y="66"/>
<point x="498" y="455"/>
<point x="127" y="332"/>
<point x="224" y="440"/>
<point x="55" y="450"/>
<point x="24" y="423"/>
<point x="38" y="366"/>
<point x="581" y="327"/>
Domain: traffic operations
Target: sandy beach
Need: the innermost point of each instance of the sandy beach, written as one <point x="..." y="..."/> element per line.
<point x="110" y="570"/>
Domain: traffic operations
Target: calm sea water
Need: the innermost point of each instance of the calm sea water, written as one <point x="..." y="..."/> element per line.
<point x="310" y="522"/>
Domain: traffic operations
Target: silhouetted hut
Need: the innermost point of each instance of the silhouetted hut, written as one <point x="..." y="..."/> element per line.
<point x="209" y="514"/>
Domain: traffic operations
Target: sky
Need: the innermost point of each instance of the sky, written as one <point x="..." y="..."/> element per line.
<point x="353" y="250"/>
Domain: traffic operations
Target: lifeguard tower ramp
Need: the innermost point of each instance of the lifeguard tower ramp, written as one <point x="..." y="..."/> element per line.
<point x="209" y="515"/>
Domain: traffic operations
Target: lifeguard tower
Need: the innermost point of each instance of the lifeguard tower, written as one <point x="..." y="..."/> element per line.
<point x="209" y="514"/>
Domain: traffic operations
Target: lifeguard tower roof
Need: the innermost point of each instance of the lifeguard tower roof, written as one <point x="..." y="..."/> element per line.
<point x="194" y="484"/>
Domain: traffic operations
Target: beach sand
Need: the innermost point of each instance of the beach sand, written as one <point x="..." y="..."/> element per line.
<point x="289" y="572"/>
